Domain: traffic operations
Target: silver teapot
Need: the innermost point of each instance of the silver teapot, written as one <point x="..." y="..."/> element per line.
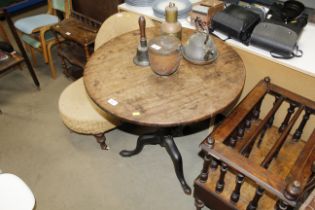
<point x="200" y="49"/>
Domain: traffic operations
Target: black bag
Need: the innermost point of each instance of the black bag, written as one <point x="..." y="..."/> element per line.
<point x="281" y="41"/>
<point x="236" y="22"/>
<point x="279" y="33"/>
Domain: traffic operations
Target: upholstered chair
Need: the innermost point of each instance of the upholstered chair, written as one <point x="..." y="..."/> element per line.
<point x="77" y="110"/>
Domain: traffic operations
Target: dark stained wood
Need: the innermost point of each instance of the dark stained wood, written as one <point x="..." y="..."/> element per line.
<point x="73" y="53"/>
<point x="220" y="183"/>
<point x="247" y="143"/>
<point x="273" y="178"/>
<point x="69" y="29"/>
<point x="293" y="96"/>
<point x="301" y="170"/>
<point x="247" y="167"/>
<point x="79" y="33"/>
<point x="10" y="62"/>
<point x="279" y="171"/>
<point x="16" y="59"/>
<point x="192" y="94"/>
<point x="235" y="196"/>
<point x="277" y="146"/>
<point x="299" y="130"/>
<point x="98" y="10"/>
<point x="287" y="117"/>
<point x="236" y="117"/>
<point x="204" y="172"/>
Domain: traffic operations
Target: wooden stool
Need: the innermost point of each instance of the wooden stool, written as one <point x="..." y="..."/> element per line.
<point x="81" y="115"/>
<point x="250" y="164"/>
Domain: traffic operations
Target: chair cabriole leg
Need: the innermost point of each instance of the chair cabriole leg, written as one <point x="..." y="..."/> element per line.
<point x="101" y="139"/>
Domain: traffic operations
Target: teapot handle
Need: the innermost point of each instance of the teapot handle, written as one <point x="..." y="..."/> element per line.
<point x="200" y="26"/>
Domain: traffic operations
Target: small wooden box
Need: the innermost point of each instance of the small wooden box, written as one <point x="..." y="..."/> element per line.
<point x="206" y="10"/>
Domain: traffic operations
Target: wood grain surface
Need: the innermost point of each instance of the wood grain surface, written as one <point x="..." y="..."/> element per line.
<point x="70" y="29"/>
<point x="191" y="94"/>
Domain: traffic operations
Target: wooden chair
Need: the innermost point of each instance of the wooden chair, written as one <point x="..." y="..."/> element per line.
<point x="77" y="110"/>
<point x="36" y="31"/>
<point x="250" y="164"/>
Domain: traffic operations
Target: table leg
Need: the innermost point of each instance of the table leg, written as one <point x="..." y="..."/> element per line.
<point x="149" y="139"/>
<point x="168" y="143"/>
<point x="170" y="146"/>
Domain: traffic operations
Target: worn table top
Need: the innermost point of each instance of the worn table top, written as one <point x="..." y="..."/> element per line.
<point x="137" y="95"/>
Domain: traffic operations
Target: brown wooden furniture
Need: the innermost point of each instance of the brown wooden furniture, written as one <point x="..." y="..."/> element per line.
<point x="309" y="204"/>
<point x="77" y="44"/>
<point x="261" y="166"/>
<point x="15" y="58"/>
<point x="3" y="34"/>
<point x="136" y="95"/>
<point x="79" y="32"/>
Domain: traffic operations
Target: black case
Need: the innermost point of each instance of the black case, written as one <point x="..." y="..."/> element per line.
<point x="236" y="22"/>
<point x="278" y="35"/>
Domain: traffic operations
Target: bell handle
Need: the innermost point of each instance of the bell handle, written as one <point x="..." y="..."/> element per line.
<point x="142" y="27"/>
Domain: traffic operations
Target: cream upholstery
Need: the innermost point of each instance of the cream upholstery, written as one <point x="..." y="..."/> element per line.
<point x="80" y="114"/>
<point x="77" y="110"/>
<point x="116" y="25"/>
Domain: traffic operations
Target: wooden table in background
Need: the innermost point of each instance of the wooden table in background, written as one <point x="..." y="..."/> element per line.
<point x="137" y="95"/>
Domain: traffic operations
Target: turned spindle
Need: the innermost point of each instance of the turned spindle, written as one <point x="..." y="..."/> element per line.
<point x="298" y="133"/>
<point x="254" y="203"/>
<point x="220" y="183"/>
<point x="205" y="169"/>
<point x="287" y="117"/>
<point x="236" y="193"/>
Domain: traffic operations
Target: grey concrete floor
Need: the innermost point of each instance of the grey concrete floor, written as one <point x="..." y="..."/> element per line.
<point x="69" y="171"/>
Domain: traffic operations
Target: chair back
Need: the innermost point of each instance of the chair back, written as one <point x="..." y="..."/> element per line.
<point x="116" y="25"/>
<point x="59" y="5"/>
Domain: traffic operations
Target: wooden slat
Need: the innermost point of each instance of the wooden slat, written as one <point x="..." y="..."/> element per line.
<point x="292" y="96"/>
<point x="248" y="142"/>
<point x="277" y="146"/>
<point x="238" y="115"/>
<point x="264" y="178"/>
<point x="301" y="169"/>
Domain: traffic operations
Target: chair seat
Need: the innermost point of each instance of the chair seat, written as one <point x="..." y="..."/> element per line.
<point x="15" y="194"/>
<point x="80" y="114"/>
<point x="29" y="24"/>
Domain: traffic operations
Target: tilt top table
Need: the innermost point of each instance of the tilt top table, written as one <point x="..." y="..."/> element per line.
<point x="136" y="95"/>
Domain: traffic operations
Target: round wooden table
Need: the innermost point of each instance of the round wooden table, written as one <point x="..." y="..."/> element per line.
<point x="136" y="95"/>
